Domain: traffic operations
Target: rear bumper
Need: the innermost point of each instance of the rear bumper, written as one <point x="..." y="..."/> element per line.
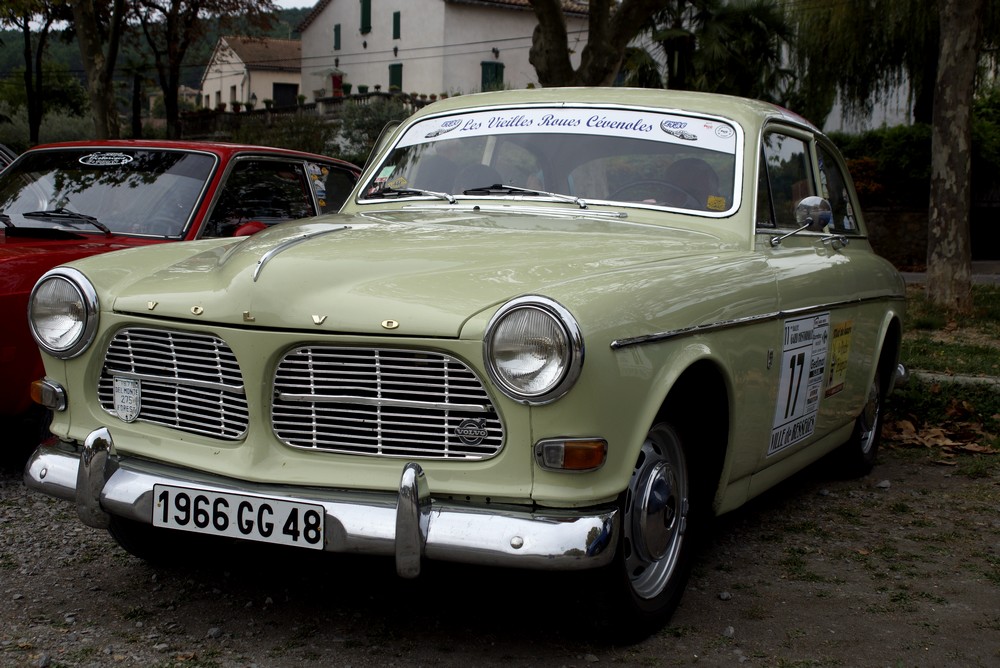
<point x="407" y="524"/>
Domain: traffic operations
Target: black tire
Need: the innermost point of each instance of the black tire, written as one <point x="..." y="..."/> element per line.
<point x="857" y="456"/>
<point x="25" y="432"/>
<point x="160" y="547"/>
<point x="660" y="522"/>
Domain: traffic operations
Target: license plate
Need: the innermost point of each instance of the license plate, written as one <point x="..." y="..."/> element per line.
<point x="239" y="516"/>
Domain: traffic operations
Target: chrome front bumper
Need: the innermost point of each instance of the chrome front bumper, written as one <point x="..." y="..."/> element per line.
<point x="408" y="524"/>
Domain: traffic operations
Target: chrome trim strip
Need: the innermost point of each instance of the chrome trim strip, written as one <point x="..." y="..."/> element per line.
<point x="171" y="380"/>
<point x="563" y="212"/>
<point x="656" y="337"/>
<point x="375" y="401"/>
<point x="285" y="245"/>
<point x="407" y="523"/>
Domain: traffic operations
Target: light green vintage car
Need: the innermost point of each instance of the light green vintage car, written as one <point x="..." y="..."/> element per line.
<point x="551" y="329"/>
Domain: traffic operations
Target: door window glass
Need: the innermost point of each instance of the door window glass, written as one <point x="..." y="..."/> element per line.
<point x="786" y="159"/>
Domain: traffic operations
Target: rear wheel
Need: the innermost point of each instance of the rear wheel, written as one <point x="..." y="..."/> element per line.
<point x="654" y="556"/>
<point x="857" y="456"/>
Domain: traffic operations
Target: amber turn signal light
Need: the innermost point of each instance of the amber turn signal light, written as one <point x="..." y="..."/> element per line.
<point x="571" y="454"/>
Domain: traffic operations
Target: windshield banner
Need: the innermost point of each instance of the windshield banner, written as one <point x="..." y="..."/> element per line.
<point x="705" y="133"/>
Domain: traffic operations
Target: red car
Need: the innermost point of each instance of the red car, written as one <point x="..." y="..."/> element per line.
<point x="60" y="202"/>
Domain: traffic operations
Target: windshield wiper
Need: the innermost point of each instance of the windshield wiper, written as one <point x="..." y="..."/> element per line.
<point x="403" y="192"/>
<point x="5" y="219"/>
<point x="68" y="216"/>
<point x="502" y="189"/>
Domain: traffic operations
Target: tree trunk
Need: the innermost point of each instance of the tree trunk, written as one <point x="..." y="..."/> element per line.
<point x="33" y="95"/>
<point x="949" y="257"/>
<point x="136" y="106"/>
<point x="611" y="26"/>
<point x="99" y="65"/>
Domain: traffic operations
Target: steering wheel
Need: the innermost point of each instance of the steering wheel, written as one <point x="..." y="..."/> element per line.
<point x="680" y="198"/>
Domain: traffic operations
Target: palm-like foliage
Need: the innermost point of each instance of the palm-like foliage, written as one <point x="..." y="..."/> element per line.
<point x="737" y="47"/>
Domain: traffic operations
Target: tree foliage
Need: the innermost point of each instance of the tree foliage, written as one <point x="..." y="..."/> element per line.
<point x="171" y="27"/>
<point x="862" y="50"/>
<point x="736" y="47"/>
<point x="33" y="19"/>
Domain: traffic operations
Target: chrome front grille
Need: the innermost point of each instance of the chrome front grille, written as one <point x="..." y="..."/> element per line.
<point x="386" y="402"/>
<point x="191" y="382"/>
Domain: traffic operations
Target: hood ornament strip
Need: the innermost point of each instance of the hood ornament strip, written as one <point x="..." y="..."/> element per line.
<point x="269" y="255"/>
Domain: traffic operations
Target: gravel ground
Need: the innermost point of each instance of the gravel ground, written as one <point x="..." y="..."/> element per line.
<point x="899" y="569"/>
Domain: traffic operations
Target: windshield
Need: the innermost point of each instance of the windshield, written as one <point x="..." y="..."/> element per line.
<point x="128" y="191"/>
<point x="587" y="154"/>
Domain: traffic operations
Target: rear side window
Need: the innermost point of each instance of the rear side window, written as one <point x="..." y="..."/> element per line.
<point x="834" y="181"/>
<point x="269" y="191"/>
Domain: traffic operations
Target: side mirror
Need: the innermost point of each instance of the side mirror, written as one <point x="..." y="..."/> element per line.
<point x="246" y="229"/>
<point x="813" y="213"/>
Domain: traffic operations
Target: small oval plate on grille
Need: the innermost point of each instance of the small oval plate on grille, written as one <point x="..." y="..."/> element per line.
<point x="128" y="398"/>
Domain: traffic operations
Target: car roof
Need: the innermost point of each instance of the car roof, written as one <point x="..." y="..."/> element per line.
<point x="223" y="149"/>
<point x="743" y="110"/>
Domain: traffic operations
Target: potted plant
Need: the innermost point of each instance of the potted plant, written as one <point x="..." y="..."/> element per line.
<point x="237" y="105"/>
<point x="362" y="89"/>
<point x="378" y="87"/>
<point x="268" y="103"/>
<point x="302" y="100"/>
<point x="346" y="87"/>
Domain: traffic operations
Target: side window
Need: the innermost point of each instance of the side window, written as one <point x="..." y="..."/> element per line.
<point x="765" y="213"/>
<point x="269" y="191"/>
<point x="834" y="183"/>
<point x="332" y="185"/>
<point x="786" y="159"/>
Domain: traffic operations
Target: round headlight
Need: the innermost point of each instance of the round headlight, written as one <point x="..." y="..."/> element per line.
<point x="534" y="350"/>
<point x="62" y="312"/>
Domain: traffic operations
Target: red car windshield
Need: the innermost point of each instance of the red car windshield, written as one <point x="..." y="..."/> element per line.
<point x="122" y="190"/>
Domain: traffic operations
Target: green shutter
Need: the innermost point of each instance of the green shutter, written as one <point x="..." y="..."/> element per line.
<point x="366" y="16"/>
<point x="336" y="37"/>
<point x="492" y="75"/>
<point x="396" y="77"/>
<point x="395" y="25"/>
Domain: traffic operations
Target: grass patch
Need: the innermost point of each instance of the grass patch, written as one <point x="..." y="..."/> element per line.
<point x="938" y="341"/>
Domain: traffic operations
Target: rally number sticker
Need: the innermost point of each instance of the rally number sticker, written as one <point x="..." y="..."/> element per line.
<point x="803" y="369"/>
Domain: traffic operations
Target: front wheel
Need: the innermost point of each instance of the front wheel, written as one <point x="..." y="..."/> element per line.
<point x="654" y="555"/>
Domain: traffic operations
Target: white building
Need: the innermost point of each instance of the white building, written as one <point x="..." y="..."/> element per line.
<point x="253" y="69"/>
<point x="425" y="46"/>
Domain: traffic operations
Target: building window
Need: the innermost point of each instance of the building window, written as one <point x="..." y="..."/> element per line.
<point x="492" y="75"/>
<point x="396" y="77"/>
<point x="395" y="25"/>
<point x="336" y="37"/>
<point x="366" y="16"/>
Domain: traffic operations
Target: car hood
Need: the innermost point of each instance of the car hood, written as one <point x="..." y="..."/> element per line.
<point x="426" y="272"/>
<point x="26" y="253"/>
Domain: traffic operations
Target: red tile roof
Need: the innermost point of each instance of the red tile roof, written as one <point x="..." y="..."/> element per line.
<point x="259" y="53"/>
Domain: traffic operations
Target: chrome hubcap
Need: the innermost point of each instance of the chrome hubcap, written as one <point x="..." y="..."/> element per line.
<point x="656" y="516"/>
<point x="869" y="417"/>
